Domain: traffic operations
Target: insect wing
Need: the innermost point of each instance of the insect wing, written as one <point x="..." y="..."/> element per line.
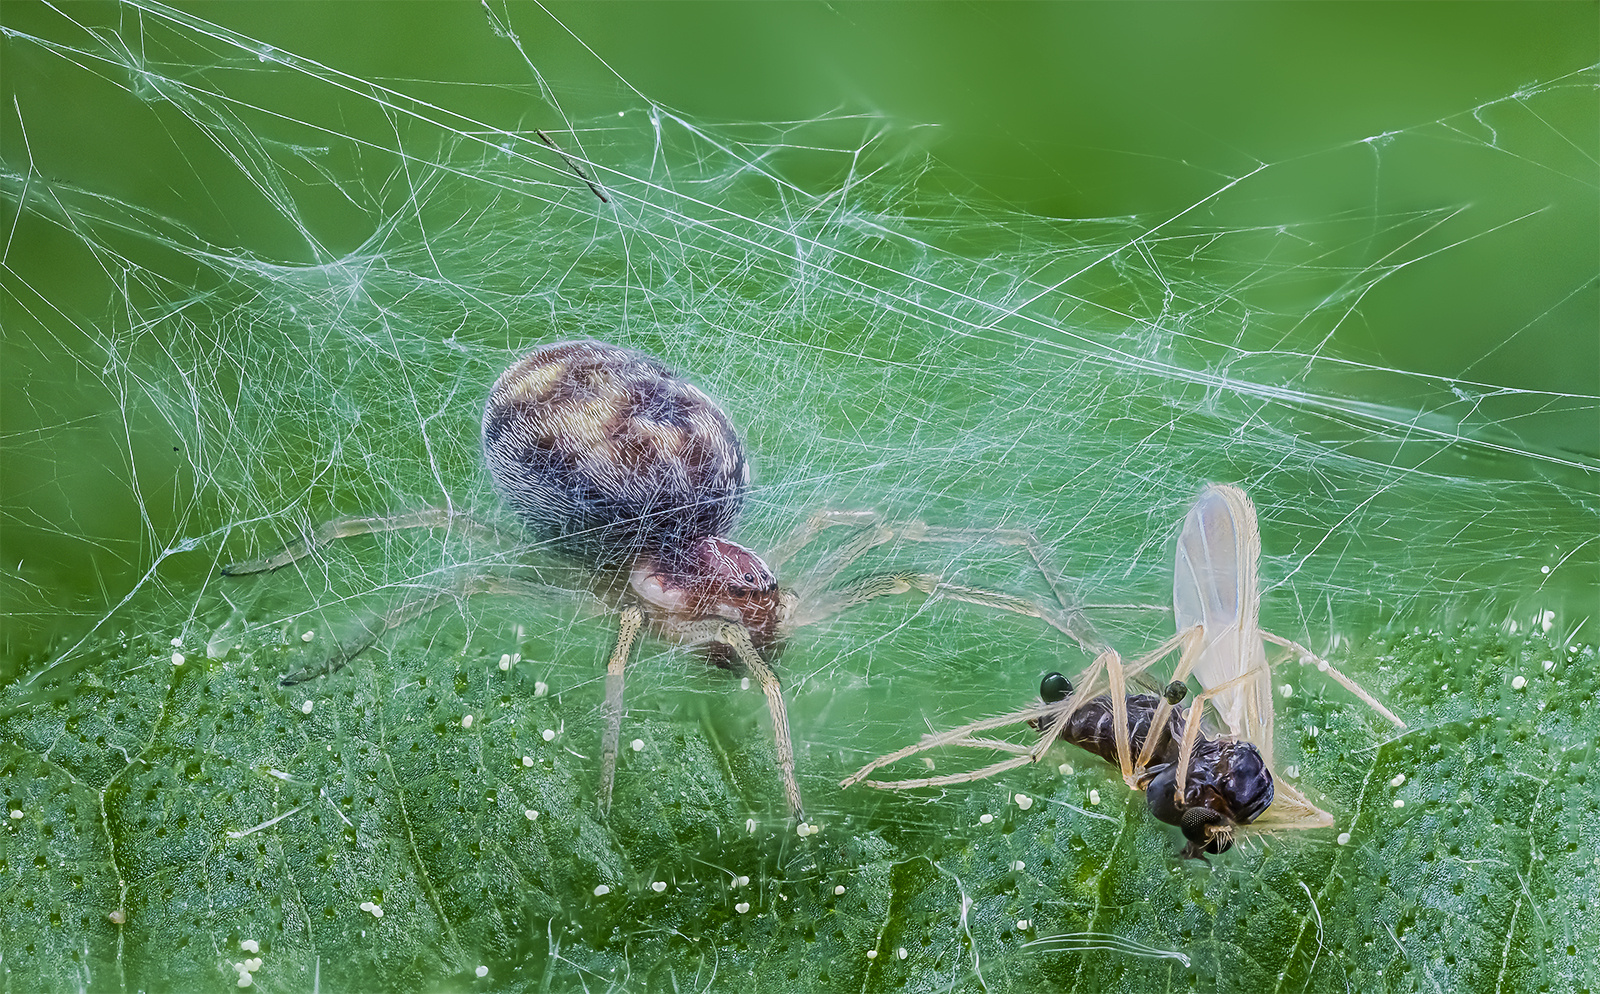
<point x="1290" y="810"/>
<point x="1214" y="586"/>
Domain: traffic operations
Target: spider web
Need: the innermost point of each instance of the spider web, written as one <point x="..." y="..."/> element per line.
<point x="190" y="382"/>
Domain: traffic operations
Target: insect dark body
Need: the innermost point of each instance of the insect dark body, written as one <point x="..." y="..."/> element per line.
<point x="1227" y="782"/>
<point x="607" y="453"/>
<point x="1213" y="789"/>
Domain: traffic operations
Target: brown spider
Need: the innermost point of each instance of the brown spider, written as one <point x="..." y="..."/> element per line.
<point x="1210" y="787"/>
<point x="619" y="464"/>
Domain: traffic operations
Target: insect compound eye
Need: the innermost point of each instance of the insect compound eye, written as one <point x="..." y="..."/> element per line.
<point x="1054" y="688"/>
<point x="1195" y="824"/>
<point x="1176" y="691"/>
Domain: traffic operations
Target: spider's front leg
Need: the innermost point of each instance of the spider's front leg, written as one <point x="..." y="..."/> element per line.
<point x="817" y="598"/>
<point x="820" y="521"/>
<point x="737" y="638"/>
<point x="1060" y="611"/>
<point x="1065" y="615"/>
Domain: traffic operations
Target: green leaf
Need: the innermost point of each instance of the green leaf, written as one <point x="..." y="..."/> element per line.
<point x="203" y="804"/>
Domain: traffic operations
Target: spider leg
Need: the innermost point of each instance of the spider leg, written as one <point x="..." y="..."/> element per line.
<point x="815" y="524"/>
<point x="819" y="606"/>
<point x="1071" y="622"/>
<point x="632" y="620"/>
<point x="867" y="537"/>
<point x="817" y="602"/>
<point x="919" y="532"/>
<point x="1066" y="615"/>
<point x="348" y="650"/>
<point x="331" y="531"/>
<point x="468" y="585"/>
<point x="738" y="639"/>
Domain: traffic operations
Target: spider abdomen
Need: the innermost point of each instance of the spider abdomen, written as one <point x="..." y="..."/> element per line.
<point x="607" y="453"/>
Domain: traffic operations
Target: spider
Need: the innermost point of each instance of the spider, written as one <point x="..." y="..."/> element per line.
<point x="622" y="466"/>
<point x="1211" y="788"/>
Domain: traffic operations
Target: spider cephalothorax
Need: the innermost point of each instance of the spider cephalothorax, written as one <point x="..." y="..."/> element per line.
<point x="716" y="578"/>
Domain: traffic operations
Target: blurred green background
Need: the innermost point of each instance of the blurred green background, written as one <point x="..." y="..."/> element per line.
<point x="1079" y="111"/>
<point x="1045" y="265"/>
<point x="1056" y="111"/>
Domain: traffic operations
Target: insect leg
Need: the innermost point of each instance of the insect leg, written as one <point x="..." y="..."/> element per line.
<point x="1190" y="641"/>
<point x="1119" y="716"/>
<point x="1307" y="656"/>
<point x="953" y="778"/>
<point x="1191" y="730"/>
<point x="954" y="736"/>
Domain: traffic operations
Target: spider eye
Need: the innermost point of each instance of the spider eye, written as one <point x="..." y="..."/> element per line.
<point x="1054" y="688"/>
<point x="750" y="578"/>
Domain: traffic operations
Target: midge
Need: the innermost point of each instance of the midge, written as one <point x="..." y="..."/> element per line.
<point x="1211" y="787"/>
<point x="617" y="463"/>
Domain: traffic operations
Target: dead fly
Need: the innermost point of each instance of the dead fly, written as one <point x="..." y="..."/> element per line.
<point x="1209" y="786"/>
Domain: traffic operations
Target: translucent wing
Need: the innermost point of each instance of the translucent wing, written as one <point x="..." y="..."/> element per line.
<point x="1214" y="586"/>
